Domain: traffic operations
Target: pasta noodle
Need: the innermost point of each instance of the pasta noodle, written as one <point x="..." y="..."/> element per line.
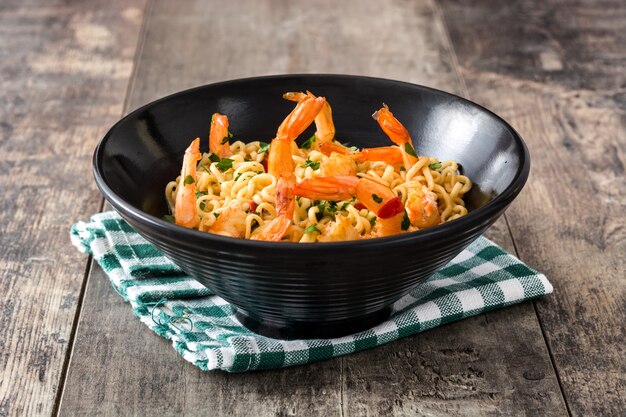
<point x="247" y="188"/>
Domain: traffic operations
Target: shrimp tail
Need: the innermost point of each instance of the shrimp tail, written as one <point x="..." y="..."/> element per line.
<point x="219" y="136"/>
<point x="185" y="211"/>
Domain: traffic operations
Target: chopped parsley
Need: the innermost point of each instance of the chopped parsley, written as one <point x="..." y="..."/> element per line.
<point x="345" y="205"/>
<point x="216" y="215"/>
<point x="189" y="180"/>
<point x="201" y="194"/>
<point x="264" y="147"/>
<point x="313" y="165"/>
<point x="214" y="158"/>
<point x="225" y="140"/>
<point x="320" y="207"/>
<point x="405" y="222"/>
<point x="402" y="169"/>
<point x="409" y="149"/>
<point x="377" y="198"/>
<point x="309" y="142"/>
<point x="332" y="206"/>
<point x="312" y="228"/>
<point x="373" y="221"/>
<point x="169" y="218"/>
<point x="435" y="166"/>
<point x="225" y="164"/>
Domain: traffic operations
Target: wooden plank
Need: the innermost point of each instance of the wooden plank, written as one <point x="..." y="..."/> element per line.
<point x="63" y="69"/>
<point x="181" y="51"/>
<point x="562" y="87"/>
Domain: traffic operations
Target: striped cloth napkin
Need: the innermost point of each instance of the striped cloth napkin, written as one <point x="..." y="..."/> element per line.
<point x="203" y="328"/>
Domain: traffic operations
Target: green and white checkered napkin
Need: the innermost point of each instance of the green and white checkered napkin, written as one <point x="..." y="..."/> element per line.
<point x="205" y="332"/>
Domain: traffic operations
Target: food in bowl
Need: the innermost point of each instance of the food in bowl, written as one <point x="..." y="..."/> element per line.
<point x="321" y="192"/>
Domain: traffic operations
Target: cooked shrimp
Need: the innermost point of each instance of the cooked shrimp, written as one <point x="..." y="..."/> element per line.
<point x="397" y="133"/>
<point x="281" y="166"/>
<point x="374" y="196"/>
<point x="231" y="222"/>
<point x="388" y="154"/>
<point x="325" y="128"/>
<point x="422" y="208"/>
<point x="219" y="135"/>
<point x="185" y="211"/>
<point x="340" y="229"/>
<point x="338" y="164"/>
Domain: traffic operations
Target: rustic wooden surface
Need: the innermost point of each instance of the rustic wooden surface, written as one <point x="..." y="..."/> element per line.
<point x="63" y="75"/>
<point x="554" y="69"/>
<point x="563" y="87"/>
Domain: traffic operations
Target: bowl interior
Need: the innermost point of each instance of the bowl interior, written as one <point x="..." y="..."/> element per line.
<point x="144" y="151"/>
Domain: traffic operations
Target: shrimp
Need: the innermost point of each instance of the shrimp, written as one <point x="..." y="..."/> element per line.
<point x="397" y="133"/>
<point x="185" y="211"/>
<point x="338" y="164"/>
<point x="219" y="135"/>
<point x="281" y="166"/>
<point x="388" y="154"/>
<point x="325" y="128"/>
<point x="340" y="229"/>
<point x="231" y="222"/>
<point x="374" y="196"/>
<point x="422" y="208"/>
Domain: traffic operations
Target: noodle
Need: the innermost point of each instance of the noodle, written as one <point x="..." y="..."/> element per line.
<point x="246" y="187"/>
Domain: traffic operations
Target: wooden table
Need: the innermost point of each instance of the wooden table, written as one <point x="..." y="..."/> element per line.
<point x="555" y="70"/>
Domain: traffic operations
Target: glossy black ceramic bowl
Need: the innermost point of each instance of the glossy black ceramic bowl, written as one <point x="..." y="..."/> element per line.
<point x="291" y="290"/>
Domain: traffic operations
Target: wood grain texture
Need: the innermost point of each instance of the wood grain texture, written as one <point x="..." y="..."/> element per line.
<point x="461" y="369"/>
<point x="562" y="86"/>
<point x="63" y="69"/>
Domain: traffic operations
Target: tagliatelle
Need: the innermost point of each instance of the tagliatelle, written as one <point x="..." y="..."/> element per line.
<point x="321" y="192"/>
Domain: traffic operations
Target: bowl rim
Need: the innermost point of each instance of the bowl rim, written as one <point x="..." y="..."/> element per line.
<point x="499" y="203"/>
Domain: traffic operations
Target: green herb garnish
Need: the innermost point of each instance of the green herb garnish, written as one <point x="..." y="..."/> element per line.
<point x="435" y="165"/>
<point x="216" y="215"/>
<point x="320" y="207"/>
<point x="354" y="148"/>
<point x="409" y="149"/>
<point x="332" y="206"/>
<point x="169" y="218"/>
<point x="313" y="165"/>
<point x="312" y="228"/>
<point x="225" y="164"/>
<point x="402" y="169"/>
<point x="264" y="147"/>
<point x="345" y="205"/>
<point x="214" y="158"/>
<point x="405" y="222"/>
<point x="373" y="221"/>
<point x="225" y="139"/>
<point x="309" y="142"/>
<point x="189" y="180"/>
<point x="377" y="198"/>
<point x="200" y="194"/>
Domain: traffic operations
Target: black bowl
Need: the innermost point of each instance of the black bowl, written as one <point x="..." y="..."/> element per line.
<point x="291" y="290"/>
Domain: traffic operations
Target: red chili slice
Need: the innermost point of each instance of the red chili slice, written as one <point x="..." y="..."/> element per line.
<point x="264" y="164"/>
<point x="393" y="207"/>
<point x="253" y="207"/>
<point x="359" y="206"/>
